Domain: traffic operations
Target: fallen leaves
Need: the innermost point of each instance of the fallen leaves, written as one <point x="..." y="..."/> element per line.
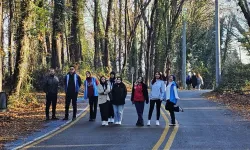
<point x="237" y="102"/>
<point x="20" y="122"/>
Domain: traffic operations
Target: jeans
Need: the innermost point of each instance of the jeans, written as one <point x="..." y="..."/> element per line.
<point x="118" y="112"/>
<point x="93" y="106"/>
<point x="69" y="97"/>
<point x="51" y="98"/>
<point x="139" y="108"/>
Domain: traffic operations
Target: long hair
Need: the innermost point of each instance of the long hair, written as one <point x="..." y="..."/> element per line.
<point x="154" y="79"/>
<point x="105" y="84"/>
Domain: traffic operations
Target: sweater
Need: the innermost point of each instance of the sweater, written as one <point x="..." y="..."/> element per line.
<point x="158" y="90"/>
<point x="103" y="94"/>
<point x="171" y="92"/>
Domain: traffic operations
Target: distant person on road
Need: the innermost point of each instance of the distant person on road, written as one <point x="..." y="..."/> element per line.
<point x="194" y="80"/>
<point x="139" y="97"/>
<point x="119" y="93"/>
<point x="72" y="85"/>
<point x="103" y="100"/>
<point x="199" y="81"/>
<point x="111" y="110"/>
<point x="172" y="97"/>
<point x="91" y="93"/>
<point x="158" y="89"/>
<point x="51" y="89"/>
<point x="188" y="81"/>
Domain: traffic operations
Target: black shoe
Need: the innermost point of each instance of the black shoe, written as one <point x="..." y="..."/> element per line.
<point x="66" y="118"/>
<point x="47" y="119"/>
<point x="181" y="109"/>
<point x="173" y="124"/>
<point x="91" y="120"/>
<point x="74" y="118"/>
<point x="137" y="124"/>
<point x="54" y="118"/>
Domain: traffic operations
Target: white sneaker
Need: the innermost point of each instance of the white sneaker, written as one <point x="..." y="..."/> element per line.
<point x="116" y="122"/>
<point x="106" y="123"/>
<point x="109" y="120"/>
<point x="148" y="124"/>
<point x="112" y="120"/>
<point x="157" y="122"/>
<point x="103" y="123"/>
<point x="119" y="122"/>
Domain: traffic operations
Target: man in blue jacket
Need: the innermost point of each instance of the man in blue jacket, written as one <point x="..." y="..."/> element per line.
<point x="72" y="85"/>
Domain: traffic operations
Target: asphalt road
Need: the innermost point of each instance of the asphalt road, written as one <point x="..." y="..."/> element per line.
<point x="202" y="125"/>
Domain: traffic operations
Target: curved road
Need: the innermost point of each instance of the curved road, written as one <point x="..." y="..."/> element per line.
<point x="202" y="125"/>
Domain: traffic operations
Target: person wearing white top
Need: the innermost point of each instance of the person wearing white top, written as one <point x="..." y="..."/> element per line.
<point x="172" y="97"/>
<point x="103" y="100"/>
<point x="158" y="89"/>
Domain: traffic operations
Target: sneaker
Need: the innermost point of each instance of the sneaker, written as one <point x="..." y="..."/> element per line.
<point x="148" y="124"/>
<point x="54" y="118"/>
<point x="65" y="118"/>
<point x="119" y="122"/>
<point x="157" y="122"/>
<point x="47" y="119"/>
<point x="116" y="122"/>
<point x="172" y="124"/>
<point x="74" y="118"/>
<point x="109" y="120"/>
<point x="106" y="123"/>
<point x="181" y="109"/>
<point x="103" y="123"/>
<point x="112" y="120"/>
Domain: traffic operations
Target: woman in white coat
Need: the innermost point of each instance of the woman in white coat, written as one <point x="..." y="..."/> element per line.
<point x="103" y="99"/>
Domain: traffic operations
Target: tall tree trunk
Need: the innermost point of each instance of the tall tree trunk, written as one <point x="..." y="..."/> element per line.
<point x="10" y="38"/>
<point x="22" y="48"/>
<point x="57" y="37"/>
<point x="120" y="36"/>
<point x="1" y="45"/>
<point x="106" y="50"/>
<point x="75" y="53"/>
<point x="97" y="57"/>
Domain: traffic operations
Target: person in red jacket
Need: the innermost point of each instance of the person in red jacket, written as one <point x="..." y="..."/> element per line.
<point x="139" y="97"/>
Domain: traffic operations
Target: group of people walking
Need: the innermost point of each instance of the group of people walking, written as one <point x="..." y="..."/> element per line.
<point x="110" y="95"/>
<point x="194" y="81"/>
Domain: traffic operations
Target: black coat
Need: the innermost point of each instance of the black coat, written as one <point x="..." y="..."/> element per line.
<point x="144" y="90"/>
<point x="119" y="93"/>
<point x="51" y="84"/>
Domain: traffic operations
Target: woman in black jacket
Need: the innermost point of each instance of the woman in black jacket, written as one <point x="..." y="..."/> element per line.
<point x="119" y="93"/>
<point x="139" y="97"/>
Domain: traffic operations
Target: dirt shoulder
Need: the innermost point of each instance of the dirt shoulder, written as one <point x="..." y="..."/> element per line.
<point x="19" y="123"/>
<point x="237" y="102"/>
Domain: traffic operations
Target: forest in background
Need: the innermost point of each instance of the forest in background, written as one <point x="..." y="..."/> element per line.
<point x="116" y="35"/>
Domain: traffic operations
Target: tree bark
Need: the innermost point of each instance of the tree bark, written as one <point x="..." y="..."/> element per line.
<point x="244" y="8"/>
<point x="1" y="45"/>
<point x="57" y="37"/>
<point x="106" y="50"/>
<point x="10" y="38"/>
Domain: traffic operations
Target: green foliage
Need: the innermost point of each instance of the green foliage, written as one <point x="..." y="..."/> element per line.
<point x="236" y="78"/>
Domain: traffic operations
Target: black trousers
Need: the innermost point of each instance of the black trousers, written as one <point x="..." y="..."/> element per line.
<point x="151" y="109"/>
<point x="93" y="106"/>
<point x="69" y="97"/>
<point x="51" y="98"/>
<point x="111" y="110"/>
<point x="171" y="108"/>
<point x="104" y="110"/>
<point x="139" y="108"/>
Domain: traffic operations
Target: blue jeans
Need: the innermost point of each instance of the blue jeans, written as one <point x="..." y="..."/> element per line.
<point x="118" y="112"/>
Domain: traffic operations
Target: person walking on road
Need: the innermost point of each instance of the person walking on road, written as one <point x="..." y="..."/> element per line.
<point x="188" y="81"/>
<point x="158" y="89"/>
<point x="139" y="97"/>
<point x="51" y="89"/>
<point x="111" y="110"/>
<point x="172" y="97"/>
<point x="103" y="100"/>
<point x="199" y="81"/>
<point x="91" y="93"/>
<point x="119" y="93"/>
<point x="194" y="80"/>
<point x="72" y="85"/>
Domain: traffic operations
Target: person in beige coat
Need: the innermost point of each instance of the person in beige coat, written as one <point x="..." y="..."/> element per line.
<point x="104" y="100"/>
